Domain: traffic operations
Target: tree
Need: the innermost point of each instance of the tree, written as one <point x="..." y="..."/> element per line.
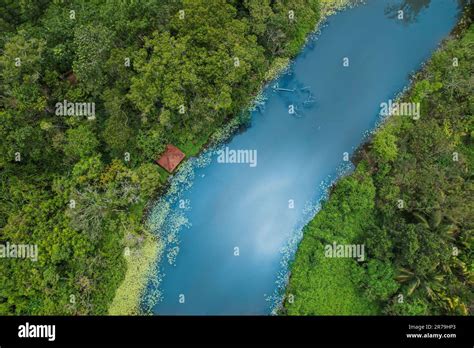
<point x="384" y="145"/>
<point x="20" y="70"/>
<point x="117" y="132"/>
<point x="93" y="43"/>
<point x="381" y="284"/>
<point x="81" y="142"/>
<point x="151" y="143"/>
<point x="260" y="12"/>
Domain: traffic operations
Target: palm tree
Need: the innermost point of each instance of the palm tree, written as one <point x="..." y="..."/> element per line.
<point x="435" y="282"/>
<point x="431" y="283"/>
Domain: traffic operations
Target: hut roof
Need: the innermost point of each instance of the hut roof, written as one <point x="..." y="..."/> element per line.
<point x="71" y="77"/>
<point x="170" y="159"/>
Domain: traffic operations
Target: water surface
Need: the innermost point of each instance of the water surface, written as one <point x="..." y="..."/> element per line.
<point x="229" y="206"/>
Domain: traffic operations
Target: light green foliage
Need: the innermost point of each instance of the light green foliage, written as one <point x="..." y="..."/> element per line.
<point x="379" y="280"/>
<point x="260" y="12"/>
<point x="80" y="142"/>
<point x="140" y="258"/>
<point x="150" y="179"/>
<point x="408" y="307"/>
<point x="163" y="77"/>
<point x="21" y="59"/>
<point x="150" y="142"/>
<point x="328" y="286"/>
<point x="20" y="70"/>
<point x="384" y="145"/>
<point x="190" y="79"/>
<point x="410" y="249"/>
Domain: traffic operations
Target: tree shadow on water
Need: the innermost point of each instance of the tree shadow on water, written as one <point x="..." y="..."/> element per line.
<point x="411" y="9"/>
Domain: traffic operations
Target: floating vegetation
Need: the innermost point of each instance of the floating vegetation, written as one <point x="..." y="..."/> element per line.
<point x="172" y="254"/>
<point x="278" y="67"/>
<point x="166" y="220"/>
<point x="311" y="208"/>
<point x="127" y="297"/>
<point x="259" y="102"/>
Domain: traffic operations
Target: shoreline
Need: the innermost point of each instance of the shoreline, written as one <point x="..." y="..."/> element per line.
<point x="131" y="291"/>
<point x="461" y="26"/>
<point x="363" y="151"/>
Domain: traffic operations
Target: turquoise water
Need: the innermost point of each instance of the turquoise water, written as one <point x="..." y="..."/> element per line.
<point x="231" y="228"/>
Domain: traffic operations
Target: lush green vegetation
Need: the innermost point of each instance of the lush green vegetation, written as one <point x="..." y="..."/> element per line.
<point x="409" y="202"/>
<point x="157" y="72"/>
<point x="322" y="285"/>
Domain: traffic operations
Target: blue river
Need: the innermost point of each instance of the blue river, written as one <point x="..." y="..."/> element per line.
<point x="231" y="229"/>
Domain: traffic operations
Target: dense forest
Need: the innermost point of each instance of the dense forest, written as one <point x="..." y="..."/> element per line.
<point x="91" y="92"/>
<point x="409" y="202"/>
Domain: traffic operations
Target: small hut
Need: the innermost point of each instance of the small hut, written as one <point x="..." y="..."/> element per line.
<point x="171" y="158"/>
<point x="71" y="77"/>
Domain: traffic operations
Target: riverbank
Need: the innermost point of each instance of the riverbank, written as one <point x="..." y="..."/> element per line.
<point x="407" y="202"/>
<point x="126" y="301"/>
<point x="263" y="209"/>
<point x="138" y="270"/>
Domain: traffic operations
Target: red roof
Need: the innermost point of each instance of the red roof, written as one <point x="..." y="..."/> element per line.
<point x="170" y="159"/>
